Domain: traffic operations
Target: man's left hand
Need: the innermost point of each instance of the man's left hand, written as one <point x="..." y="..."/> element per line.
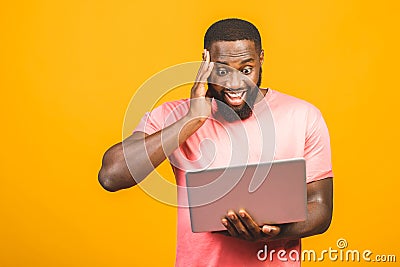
<point x="241" y="225"/>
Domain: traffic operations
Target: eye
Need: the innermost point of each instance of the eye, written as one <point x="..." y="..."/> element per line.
<point x="222" y="71"/>
<point x="247" y="70"/>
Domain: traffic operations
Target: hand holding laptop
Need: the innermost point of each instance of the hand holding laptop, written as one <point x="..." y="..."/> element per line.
<point x="241" y="225"/>
<point x="218" y="196"/>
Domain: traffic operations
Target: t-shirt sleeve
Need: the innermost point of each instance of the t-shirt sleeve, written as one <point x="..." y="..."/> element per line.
<point x="152" y="121"/>
<point x="317" y="150"/>
<point x="162" y="116"/>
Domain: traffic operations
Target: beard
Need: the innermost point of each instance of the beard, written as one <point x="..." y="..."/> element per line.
<point x="230" y="113"/>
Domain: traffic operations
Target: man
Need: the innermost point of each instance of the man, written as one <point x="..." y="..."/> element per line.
<point x="232" y="62"/>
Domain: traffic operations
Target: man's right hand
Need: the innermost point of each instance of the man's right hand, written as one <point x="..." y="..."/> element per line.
<point x="200" y="101"/>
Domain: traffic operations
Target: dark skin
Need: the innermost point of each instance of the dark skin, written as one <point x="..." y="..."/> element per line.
<point x="237" y="70"/>
<point x="319" y="213"/>
<point x="146" y="152"/>
<point x="244" y="57"/>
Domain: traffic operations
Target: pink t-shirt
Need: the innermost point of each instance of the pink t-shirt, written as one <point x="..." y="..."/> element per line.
<point x="281" y="127"/>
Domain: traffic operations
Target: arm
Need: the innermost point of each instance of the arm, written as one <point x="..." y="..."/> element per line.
<point x="146" y="152"/>
<point x="319" y="215"/>
<point x="319" y="207"/>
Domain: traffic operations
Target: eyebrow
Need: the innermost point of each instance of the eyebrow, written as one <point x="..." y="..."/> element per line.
<point x="241" y="63"/>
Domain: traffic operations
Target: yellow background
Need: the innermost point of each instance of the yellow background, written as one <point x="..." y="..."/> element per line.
<point x="68" y="71"/>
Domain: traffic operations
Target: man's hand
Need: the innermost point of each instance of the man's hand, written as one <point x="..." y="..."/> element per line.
<point x="200" y="103"/>
<point x="241" y="225"/>
<point x="319" y="215"/>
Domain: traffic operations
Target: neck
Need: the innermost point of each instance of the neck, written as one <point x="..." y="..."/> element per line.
<point x="261" y="95"/>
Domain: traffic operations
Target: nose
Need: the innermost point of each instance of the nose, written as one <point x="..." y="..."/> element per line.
<point x="234" y="80"/>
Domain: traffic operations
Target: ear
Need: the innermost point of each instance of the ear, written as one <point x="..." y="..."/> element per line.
<point x="262" y="57"/>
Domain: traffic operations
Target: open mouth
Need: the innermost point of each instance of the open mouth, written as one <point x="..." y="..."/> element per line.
<point x="235" y="98"/>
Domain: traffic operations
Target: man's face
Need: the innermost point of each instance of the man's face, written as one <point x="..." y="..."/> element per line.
<point x="235" y="78"/>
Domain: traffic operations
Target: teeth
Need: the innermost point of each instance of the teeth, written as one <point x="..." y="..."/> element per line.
<point x="235" y="94"/>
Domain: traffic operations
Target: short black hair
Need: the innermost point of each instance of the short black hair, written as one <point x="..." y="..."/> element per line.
<point x="232" y="29"/>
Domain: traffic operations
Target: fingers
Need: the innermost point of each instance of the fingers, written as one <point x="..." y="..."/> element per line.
<point x="231" y="230"/>
<point x="199" y="88"/>
<point x="236" y="227"/>
<point x="205" y="67"/>
<point x="271" y="230"/>
<point x="243" y="226"/>
<point x="251" y="225"/>
<point x="208" y="71"/>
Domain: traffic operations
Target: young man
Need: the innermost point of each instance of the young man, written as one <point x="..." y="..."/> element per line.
<point x="232" y="65"/>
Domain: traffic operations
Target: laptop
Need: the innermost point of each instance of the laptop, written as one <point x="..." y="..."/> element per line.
<point x="271" y="192"/>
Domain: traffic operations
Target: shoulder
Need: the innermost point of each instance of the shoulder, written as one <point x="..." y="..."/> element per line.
<point x="172" y="105"/>
<point x="171" y="110"/>
<point x="288" y="103"/>
<point x="289" y="100"/>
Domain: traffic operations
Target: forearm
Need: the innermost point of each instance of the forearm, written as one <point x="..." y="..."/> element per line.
<point x="127" y="163"/>
<point x="318" y="221"/>
<point x="319" y="212"/>
<point x="144" y="154"/>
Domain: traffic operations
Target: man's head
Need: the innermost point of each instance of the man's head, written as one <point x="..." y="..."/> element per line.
<point x="232" y="30"/>
<point x="235" y="46"/>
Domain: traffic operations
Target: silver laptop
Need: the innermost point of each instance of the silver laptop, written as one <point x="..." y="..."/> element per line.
<point x="272" y="193"/>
